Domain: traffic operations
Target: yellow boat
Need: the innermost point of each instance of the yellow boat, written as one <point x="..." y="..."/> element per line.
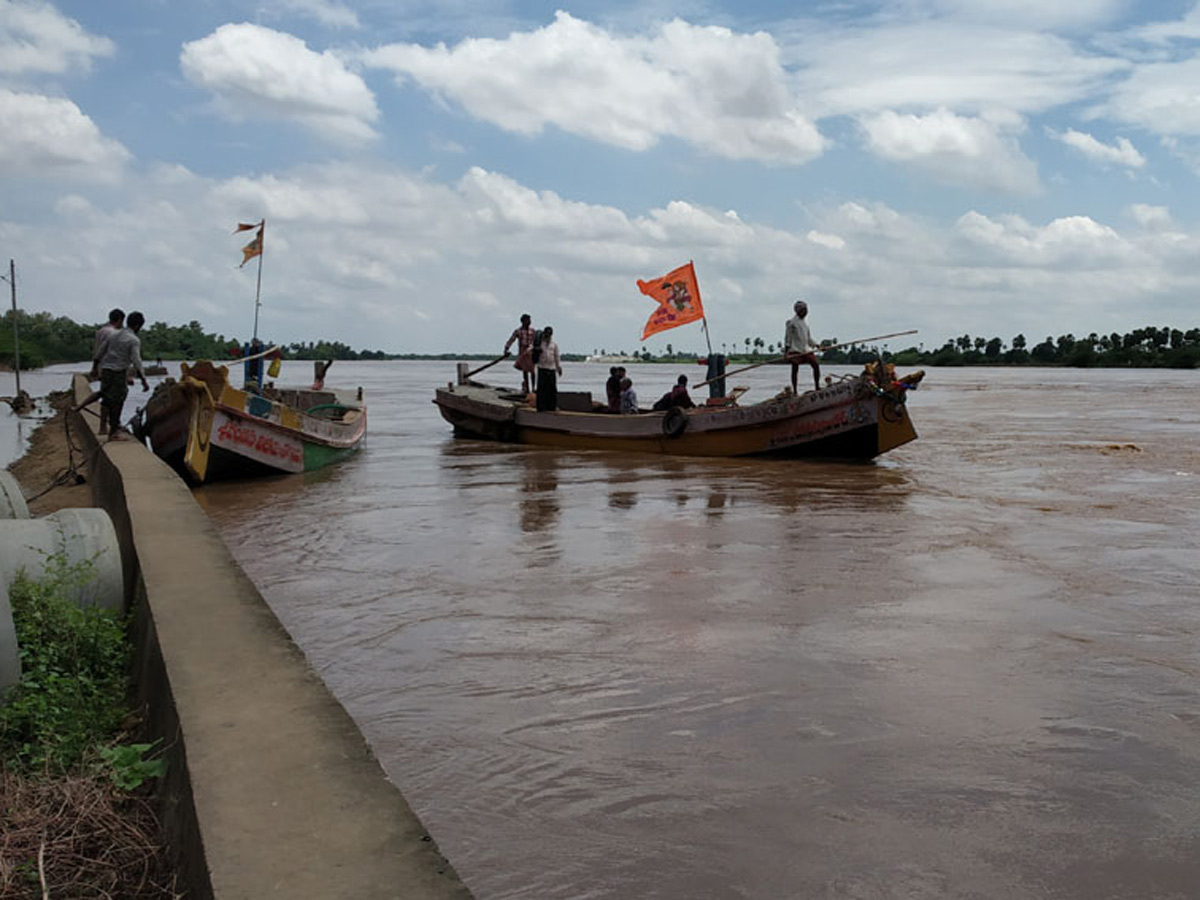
<point x="207" y="429"/>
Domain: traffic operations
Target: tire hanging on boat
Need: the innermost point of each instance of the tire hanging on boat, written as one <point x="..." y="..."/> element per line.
<point x="675" y="422"/>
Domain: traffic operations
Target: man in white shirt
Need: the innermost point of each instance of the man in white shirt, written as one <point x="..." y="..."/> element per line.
<point x="116" y="321"/>
<point x="798" y="346"/>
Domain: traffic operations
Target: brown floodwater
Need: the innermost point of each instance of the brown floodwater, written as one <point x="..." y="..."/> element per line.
<point x="967" y="670"/>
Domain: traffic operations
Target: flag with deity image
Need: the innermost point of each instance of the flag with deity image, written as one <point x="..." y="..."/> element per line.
<point x="678" y="299"/>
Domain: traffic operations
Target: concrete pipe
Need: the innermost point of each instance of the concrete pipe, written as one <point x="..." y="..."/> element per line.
<point x="75" y="535"/>
<point x="12" y="500"/>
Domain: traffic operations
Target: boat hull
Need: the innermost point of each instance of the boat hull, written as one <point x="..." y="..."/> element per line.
<point x="208" y="430"/>
<point x="849" y="419"/>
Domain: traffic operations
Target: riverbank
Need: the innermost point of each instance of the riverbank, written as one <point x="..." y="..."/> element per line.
<point x="271" y="789"/>
<point x="47" y="471"/>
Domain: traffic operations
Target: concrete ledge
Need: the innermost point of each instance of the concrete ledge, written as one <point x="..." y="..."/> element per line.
<point x="273" y="792"/>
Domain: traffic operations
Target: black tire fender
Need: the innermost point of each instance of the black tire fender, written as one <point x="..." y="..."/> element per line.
<point x="675" y="422"/>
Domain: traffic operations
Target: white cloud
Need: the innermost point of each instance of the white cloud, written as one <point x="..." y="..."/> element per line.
<point x="37" y="38"/>
<point x="1186" y="28"/>
<point x="50" y="137"/>
<point x="952" y="149"/>
<point x="1152" y="218"/>
<point x="499" y="199"/>
<point x="255" y="71"/>
<point x="1031" y="14"/>
<point x="328" y="12"/>
<point x="820" y="238"/>
<point x="723" y="92"/>
<point x="1160" y="97"/>
<point x="1123" y="154"/>
<point x="1072" y="241"/>
<point x="920" y="65"/>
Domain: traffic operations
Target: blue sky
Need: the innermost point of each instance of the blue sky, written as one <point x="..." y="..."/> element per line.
<point x="429" y="171"/>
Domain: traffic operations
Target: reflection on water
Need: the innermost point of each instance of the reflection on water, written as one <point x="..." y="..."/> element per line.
<point x="539" y="500"/>
<point x="964" y="670"/>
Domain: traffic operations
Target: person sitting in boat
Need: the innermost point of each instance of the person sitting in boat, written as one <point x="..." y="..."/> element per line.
<point x="676" y="396"/>
<point x="549" y="367"/>
<point x="629" y="401"/>
<point x="798" y="346"/>
<point x="523" y="336"/>
<point x="612" y="388"/>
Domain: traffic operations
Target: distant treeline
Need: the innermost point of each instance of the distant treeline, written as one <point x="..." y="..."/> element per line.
<point x="46" y="339"/>
<point x="1143" y="347"/>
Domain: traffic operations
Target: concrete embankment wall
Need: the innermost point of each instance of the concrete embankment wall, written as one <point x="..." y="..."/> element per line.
<point x="272" y="791"/>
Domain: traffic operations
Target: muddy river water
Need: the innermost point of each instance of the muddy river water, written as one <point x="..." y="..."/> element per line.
<point x="967" y="670"/>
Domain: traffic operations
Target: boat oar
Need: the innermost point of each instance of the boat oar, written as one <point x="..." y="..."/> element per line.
<point x="878" y="337"/>
<point x="487" y="365"/>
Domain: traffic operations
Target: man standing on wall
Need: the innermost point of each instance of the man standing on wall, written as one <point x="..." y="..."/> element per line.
<point x="120" y="351"/>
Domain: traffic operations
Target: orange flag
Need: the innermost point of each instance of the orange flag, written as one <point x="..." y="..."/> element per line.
<point x="255" y="247"/>
<point x="678" y="299"/>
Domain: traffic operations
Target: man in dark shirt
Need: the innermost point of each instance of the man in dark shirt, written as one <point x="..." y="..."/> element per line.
<point x="676" y="396"/>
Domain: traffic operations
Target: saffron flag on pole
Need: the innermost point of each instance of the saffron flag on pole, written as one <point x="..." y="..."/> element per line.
<point x="678" y="298"/>
<point x="255" y="247"/>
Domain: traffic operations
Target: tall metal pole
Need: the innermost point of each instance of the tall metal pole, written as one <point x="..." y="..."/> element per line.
<point x="262" y="247"/>
<point x="12" y="282"/>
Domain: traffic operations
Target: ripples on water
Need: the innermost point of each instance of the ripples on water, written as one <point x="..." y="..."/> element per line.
<point x="965" y="670"/>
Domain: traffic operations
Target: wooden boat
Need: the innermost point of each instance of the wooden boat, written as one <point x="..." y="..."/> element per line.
<point x="207" y="429"/>
<point x="856" y="417"/>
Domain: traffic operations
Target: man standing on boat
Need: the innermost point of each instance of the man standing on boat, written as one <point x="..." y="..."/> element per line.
<point x="798" y="346"/>
<point x="523" y="336"/>
<point x="122" y="351"/>
<point x="549" y="367"/>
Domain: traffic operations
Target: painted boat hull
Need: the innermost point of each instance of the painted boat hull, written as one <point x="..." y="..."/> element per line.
<point x="207" y="429"/>
<point x="850" y="419"/>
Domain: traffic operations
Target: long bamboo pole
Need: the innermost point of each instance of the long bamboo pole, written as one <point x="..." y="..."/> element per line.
<point x="487" y="365"/>
<point x="878" y="337"/>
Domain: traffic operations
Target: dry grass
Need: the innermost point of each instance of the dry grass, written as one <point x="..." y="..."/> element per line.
<point x="76" y="837"/>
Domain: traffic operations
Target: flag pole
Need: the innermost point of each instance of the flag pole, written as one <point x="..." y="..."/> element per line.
<point x="12" y="282"/>
<point x="262" y="227"/>
<point x="703" y="319"/>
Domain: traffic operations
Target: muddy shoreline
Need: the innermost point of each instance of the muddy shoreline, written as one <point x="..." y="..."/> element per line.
<point x="52" y="470"/>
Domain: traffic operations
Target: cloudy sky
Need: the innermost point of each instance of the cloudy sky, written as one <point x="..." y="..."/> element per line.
<point x="430" y="170"/>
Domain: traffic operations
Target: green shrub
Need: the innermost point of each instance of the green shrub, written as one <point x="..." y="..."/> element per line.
<point x="74" y="678"/>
